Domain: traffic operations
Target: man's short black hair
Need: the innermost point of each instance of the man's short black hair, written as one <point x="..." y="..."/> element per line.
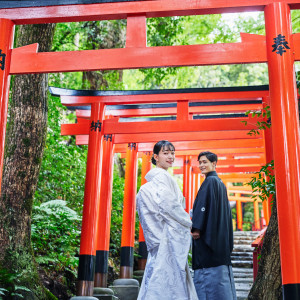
<point x="209" y="155"/>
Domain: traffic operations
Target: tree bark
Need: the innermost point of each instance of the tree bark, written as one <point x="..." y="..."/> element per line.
<point x="104" y="35"/>
<point x="25" y="141"/>
<point x="268" y="281"/>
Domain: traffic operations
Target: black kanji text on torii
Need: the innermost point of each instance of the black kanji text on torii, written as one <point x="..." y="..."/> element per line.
<point x="2" y="60"/>
<point x="96" y="125"/>
<point x="280" y="44"/>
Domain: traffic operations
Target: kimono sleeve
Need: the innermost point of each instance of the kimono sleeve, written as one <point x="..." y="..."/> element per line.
<point x="201" y="209"/>
<point x="205" y="212"/>
<point x="169" y="207"/>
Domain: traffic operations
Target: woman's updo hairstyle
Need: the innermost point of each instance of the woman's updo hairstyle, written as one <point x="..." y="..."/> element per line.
<point x="165" y="145"/>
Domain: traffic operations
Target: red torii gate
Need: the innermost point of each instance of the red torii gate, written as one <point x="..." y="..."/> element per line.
<point x="70" y="97"/>
<point x="238" y="140"/>
<point x="253" y="49"/>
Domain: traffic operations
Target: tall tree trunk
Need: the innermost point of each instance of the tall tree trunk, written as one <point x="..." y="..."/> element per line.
<point x="104" y="35"/>
<point x="25" y="141"/>
<point x="268" y="281"/>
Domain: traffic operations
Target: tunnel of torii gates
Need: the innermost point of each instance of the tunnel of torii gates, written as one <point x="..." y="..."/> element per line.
<point x="280" y="48"/>
<point x="133" y="129"/>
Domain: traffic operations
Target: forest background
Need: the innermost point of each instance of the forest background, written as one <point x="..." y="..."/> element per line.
<point x="58" y="194"/>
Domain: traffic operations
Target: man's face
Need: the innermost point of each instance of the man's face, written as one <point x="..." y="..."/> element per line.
<point x="165" y="158"/>
<point x="206" y="165"/>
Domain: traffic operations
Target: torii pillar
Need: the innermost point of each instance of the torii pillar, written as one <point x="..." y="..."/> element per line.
<point x="87" y="254"/>
<point x="143" y="253"/>
<point x="103" y="232"/>
<point x="286" y="142"/>
<point x="187" y="173"/>
<point x="129" y="211"/>
<point x="196" y="186"/>
<point x="6" y="42"/>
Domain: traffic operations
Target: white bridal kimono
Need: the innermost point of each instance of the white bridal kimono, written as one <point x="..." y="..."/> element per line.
<point x="166" y="228"/>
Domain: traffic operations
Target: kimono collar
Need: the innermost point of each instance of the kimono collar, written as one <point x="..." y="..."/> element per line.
<point x="212" y="173"/>
<point x="154" y="172"/>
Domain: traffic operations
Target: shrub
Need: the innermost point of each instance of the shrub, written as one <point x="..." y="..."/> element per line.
<point x="55" y="236"/>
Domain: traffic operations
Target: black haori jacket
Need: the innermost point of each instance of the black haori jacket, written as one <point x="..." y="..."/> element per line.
<point x="212" y="216"/>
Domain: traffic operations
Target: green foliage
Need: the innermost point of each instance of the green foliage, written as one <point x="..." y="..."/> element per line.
<point x="55" y="236"/>
<point x="62" y="172"/>
<point x="261" y="125"/>
<point x="248" y="218"/>
<point x="264" y="184"/>
<point x="12" y="289"/>
<point x="191" y="30"/>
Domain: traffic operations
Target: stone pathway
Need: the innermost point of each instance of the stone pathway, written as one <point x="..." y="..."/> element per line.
<point x="242" y="262"/>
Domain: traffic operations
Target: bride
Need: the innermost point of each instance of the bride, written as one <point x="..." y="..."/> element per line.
<point x="166" y="228"/>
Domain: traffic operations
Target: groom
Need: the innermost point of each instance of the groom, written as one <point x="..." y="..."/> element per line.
<point x="212" y="235"/>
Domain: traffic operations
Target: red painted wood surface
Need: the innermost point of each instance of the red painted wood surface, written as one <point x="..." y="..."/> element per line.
<point x="144" y="112"/>
<point x="146" y="167"/>
<point x="286" y="141"/>
<point x="163" y="98"/>
<point x="187" y="173"/>
<point x="112" y="126"/>
<point x="103" y="231"/>
<point x="257" y="145"/>
<point x="257" y="244"/>
<point x="6" y="42"/>
<point x="136" y="34"/>
<point x="92" y="186"/>
<point x="134" y="58"/>
<point x="231" y="169"/>
<point x="174" y="137"/>
<point x="158" y="8"/>
<point x="129" y="207"/>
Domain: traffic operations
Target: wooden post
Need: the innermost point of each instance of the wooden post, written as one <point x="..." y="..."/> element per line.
<point x="239" y="214"/>
<point x="286" y="142"/>
<point x="103" y="231"/>
<point x="143" y="253"/>
<point x="187" y="169"/>
<point x="6" y="42"/>
<point x="129" y="211"/>
<point x="256" y="215"/>
<point x="196" y="186"/>
<point x="88" y="240"/>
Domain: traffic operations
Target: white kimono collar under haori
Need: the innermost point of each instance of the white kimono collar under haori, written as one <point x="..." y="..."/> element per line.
<point x="154" y="172"/>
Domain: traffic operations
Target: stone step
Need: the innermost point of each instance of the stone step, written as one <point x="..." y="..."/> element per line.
<point x="242" y="248"/>
<point x="244" y="280"/>
<point x="237" y="253"/>
<point x="242" y="270"/>
<point x="241" y="258"/>
<point x="247" y="238"/>
<point x="243" y="264"/>
<point x="246" y="287"/>
<point x="241" y="295"/>
<point x="242" y="236"/>
<point x="242" y="275"/>
<point x="246" y="233"/>
<point x="243" y="242"/>
<point x="246" y="256"/>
